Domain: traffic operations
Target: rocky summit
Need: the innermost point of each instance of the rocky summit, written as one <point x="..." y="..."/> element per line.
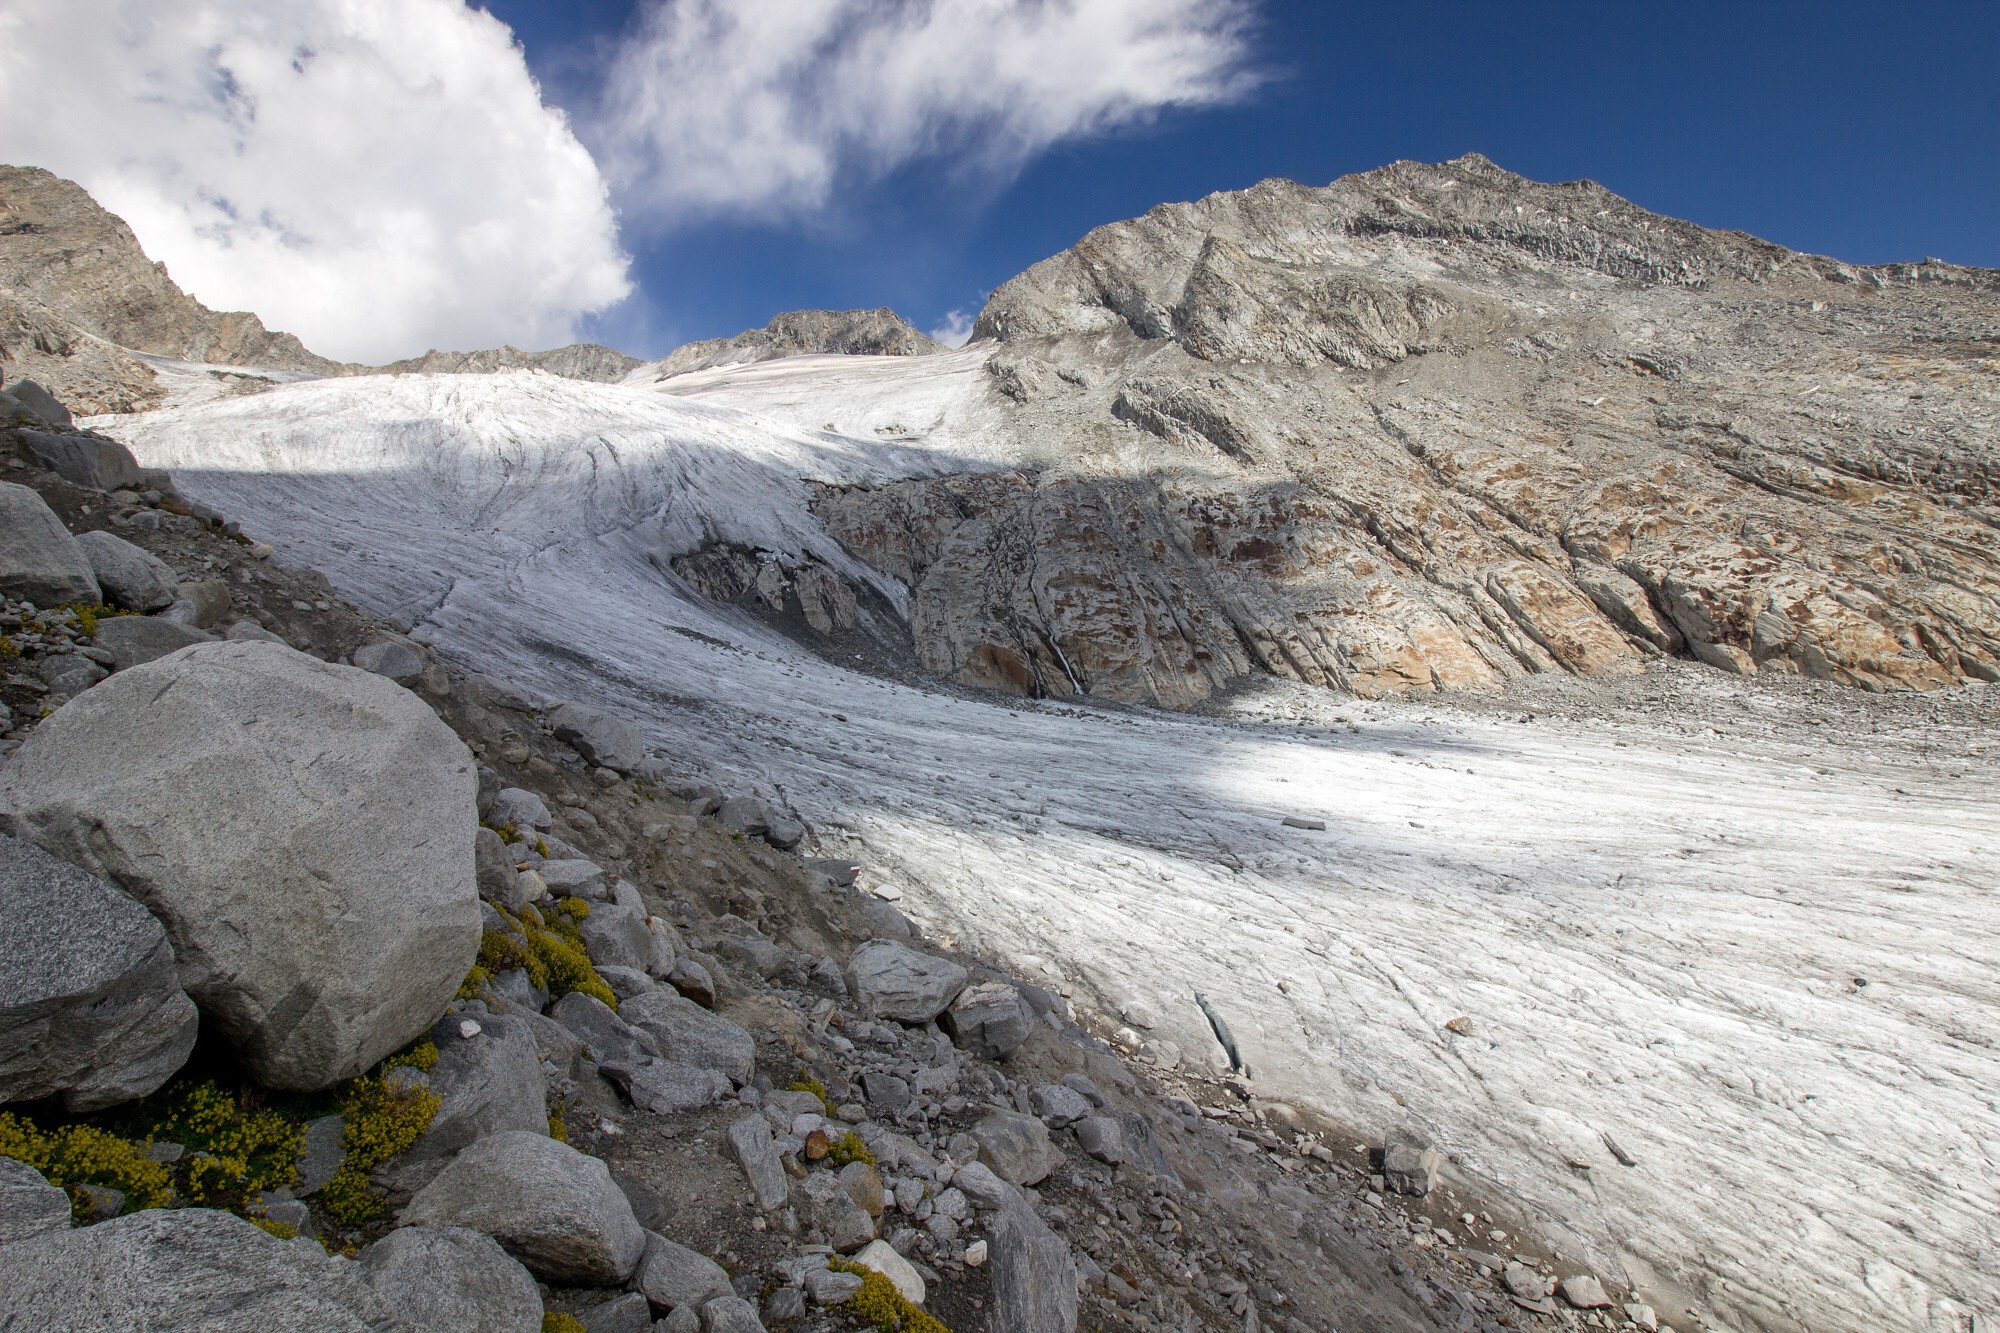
<point x="78" y="298"/>
<point x="1439" y="427"/>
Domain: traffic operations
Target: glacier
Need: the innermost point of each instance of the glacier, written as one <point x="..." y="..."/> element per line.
<point x="1744" y="931"/>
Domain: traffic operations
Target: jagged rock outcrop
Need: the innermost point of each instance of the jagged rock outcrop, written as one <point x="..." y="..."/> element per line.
<point x="1441" y="426"/>
<point x="578" y="361"/>
<point x="78" y="296"/>
<point x="880" y="332"/>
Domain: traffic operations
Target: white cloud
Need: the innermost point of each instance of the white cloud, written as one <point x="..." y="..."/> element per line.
<point x="955" y="330"/>
<point x="376" y="176"/>
<point x="764" y="107"/>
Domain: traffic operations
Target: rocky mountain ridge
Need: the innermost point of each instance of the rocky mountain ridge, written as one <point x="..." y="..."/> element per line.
<point x="878" y="332"/>
<point x="1438" y="427"/>
<point x="577" y="361"/>
<point x="78" y="296"/>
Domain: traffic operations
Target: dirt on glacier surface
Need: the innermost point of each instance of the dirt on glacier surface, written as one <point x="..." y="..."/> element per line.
<point x="1701" y="972"/>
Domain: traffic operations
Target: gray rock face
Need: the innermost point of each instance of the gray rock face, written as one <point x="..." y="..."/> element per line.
<point x="630" y="1313"/>
<point x="1058" y="1104"/>
<point x="44" y="406"/>
<point x="609" y="1038"/>
<point x="68" y="675"/>
<point x="303" y="831"/>
<point x="730" y="1314"/>
<point x="1584" y="1292"/>
<point x="666" y="1087"/>
<point x="692" y="980"/>
<point x="599" y="737"/>
<point x="39" y="561"/>
<point x="1103" y="1138"/>
<point x="485" y="1084"/>
<point x="750" y="1142"/>
<point x="553" y="1208"/>
<point x="672" y="1275"/>
<point x="184" y="1268"/>
<point x="977" y="1182"/>
<point x="29" y="1205"/>
<point x="322" y="1154"/>
<point x="386" y="657"/>
<point x="493" y="866"/>
<point x="892" y="980"/>
<point x="745" y="814"/>
<point x="204" y="604"/>
<point x="86" y="460"/>
<point x="131" y="576"/>
<point x="91" y="1007"/>
<point x="989" y="1019"/>
<point x="1410" y="1166"/>
<point x="626" y="982"/>
<point x="693" y="1035"/>
<point x="613" y="933"/>
<point x="523" y="809"/>
<point x="1034" y="1276"/>
<point x="136" y="640"/>
<point x="453" y="1280"/>
<point x="1016" y="1147"/>
<point x="582" y="879"/>
<point x="828" y="1208"/>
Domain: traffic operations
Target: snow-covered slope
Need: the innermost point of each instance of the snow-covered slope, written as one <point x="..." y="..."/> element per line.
<point x="1762" y="963"/>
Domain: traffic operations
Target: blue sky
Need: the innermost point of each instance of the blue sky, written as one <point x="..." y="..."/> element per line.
<point x="1866" y="131"/>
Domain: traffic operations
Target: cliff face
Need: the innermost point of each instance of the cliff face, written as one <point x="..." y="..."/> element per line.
<point x="78" y="295"/>
<point x="1440" y="426"/>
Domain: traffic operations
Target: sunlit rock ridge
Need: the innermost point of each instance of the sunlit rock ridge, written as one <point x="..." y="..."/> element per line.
<point x="1441" y="426"/>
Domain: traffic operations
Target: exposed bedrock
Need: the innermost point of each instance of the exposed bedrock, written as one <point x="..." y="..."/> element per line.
<point x="1439" y="426"/>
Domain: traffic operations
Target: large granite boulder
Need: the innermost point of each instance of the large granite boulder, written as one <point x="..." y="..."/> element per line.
<point x="131" y="576"/>
<point x="556" y="1210"/>
<point x="453" y="1280"/>
<point x="303" y="831"/>
<point x="91" y="1007"/>
<point x="892" y="980"/>
<point x="39" y="561"/>
<point x="182" y="1268"/>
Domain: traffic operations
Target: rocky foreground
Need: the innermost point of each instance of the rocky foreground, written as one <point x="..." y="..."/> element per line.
<point x="350" y="989"/>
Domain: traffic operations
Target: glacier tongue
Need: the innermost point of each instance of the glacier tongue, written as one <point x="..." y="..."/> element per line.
<point x="1762" y="964"/>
